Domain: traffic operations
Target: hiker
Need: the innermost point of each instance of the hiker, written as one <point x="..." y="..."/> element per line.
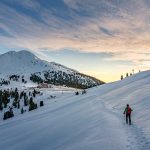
<point x="128" y="111"/>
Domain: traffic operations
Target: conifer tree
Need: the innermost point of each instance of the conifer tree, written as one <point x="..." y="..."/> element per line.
<point x="121" y="77"/>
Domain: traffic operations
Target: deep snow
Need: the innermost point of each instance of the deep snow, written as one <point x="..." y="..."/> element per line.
<point x="93" y="121"/>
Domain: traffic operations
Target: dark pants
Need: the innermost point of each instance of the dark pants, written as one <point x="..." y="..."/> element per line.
<point x="128" y="119"/>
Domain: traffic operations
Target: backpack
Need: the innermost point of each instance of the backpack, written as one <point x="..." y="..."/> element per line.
<point x="128" y="110"/>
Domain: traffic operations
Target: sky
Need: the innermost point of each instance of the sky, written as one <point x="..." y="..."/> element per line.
<point x="102" y="38"/>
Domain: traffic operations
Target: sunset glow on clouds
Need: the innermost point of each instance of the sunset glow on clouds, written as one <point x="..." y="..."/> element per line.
<point x="120" y="29"/>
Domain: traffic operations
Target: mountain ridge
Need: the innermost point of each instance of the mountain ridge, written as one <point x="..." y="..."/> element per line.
<point x="26" y="63"/>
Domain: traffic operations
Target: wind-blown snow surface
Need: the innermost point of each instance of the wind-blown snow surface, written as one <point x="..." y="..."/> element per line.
<point x="93" y="121"/>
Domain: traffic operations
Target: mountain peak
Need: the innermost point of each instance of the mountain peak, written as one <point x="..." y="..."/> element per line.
<point x="26" y="62"/>
<point x="20" y="62"/>
<point x="18" y="53"/>
<point x="25" y="52"/>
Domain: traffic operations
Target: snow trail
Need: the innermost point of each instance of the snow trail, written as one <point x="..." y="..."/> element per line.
<point x="135" y="136"/>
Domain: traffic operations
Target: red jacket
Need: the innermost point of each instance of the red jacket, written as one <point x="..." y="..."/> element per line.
<point x="127" y="110"/>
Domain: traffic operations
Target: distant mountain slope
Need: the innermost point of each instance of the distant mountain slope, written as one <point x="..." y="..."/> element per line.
<point x="25" y="63"/>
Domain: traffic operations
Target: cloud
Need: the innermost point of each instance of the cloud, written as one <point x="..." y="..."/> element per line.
<point x="118" y="27"/>
<point x="106" y="31"/>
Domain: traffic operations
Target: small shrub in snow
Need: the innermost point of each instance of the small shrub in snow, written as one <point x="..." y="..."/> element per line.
<point x="84" y="92"/>
<point x="8" y="114"/>
<point x="22" y="111"/>
<point x="32" y="105"/>
<point x="15" y="104"/>
<point x="41" y="103"/>
<point x="25" y="100"/>
<point x="18" y="104"/>
<point x="77" y="93"/>
<point x="1" y="107"/>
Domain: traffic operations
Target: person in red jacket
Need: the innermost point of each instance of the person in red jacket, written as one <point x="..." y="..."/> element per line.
<point x="128" y="111"/>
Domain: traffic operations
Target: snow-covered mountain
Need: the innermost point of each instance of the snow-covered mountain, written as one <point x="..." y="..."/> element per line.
<point x="25" y="63"/>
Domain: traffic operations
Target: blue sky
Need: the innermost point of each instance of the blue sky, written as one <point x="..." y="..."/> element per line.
<point x="103" y="38"/>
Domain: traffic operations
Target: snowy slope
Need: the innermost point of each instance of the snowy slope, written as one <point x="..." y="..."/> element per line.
<point x="93" y="121"/>
<point x="134" y="90"/>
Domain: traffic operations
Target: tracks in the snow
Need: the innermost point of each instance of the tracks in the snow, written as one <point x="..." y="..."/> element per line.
<point x="135" y="135"/>
<point x="136" y="138"/>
